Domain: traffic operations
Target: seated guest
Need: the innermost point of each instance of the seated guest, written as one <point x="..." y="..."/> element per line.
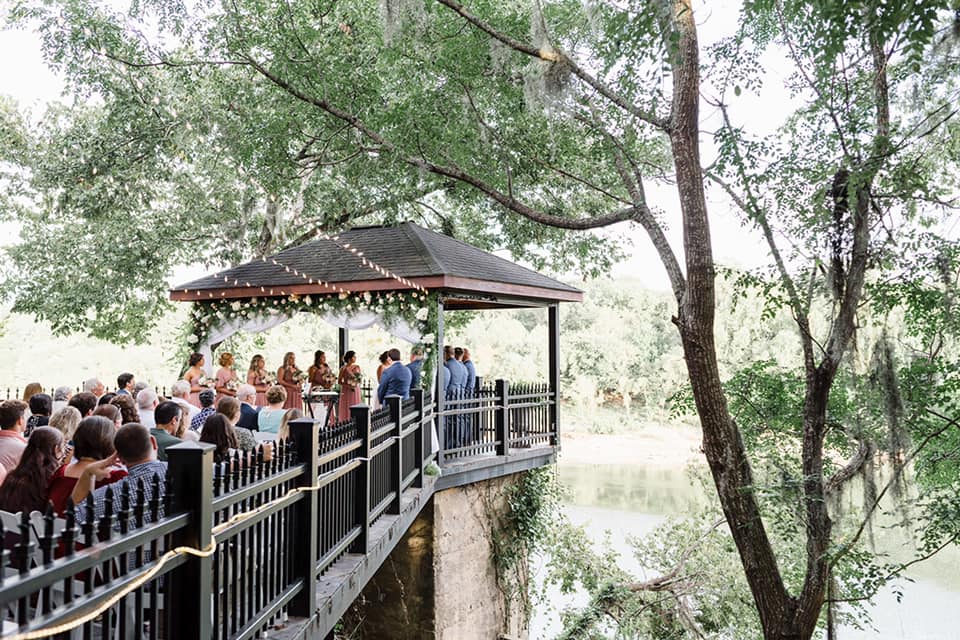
<point x="137" y="450"/>
<point x="180" y="393"/>
<point x="61" y="395"/>
<point x="84" y="402"/>
<point x="247" y="395"/>
<point x="168" y="415"/>
<point x="106" y="398"/>
<point x="92" y="441"/>
<point x="12" y="424"/>
<point x="415" y="366"/>
<point x="146" y="401"/>
<point x="395" y="379"/>
<point x="65" y="420"/>
<point x="25" y="487"/>
<point x="112" y="413"/>
<point x="207" y="396"/>
<point x="383" y="364"/>
<point x="269" y="418"/>
<point x="94" y="386"/>
<point x="40" y="408"/>
<point x="137" y="388"/>
<point x="230" y="408"/>
<point x="219" y="432"/>
<point x="283" y="433"/>
<point x="128" y="408"/>
<point x="29" y="391"/>
<point x="125" y="384"/>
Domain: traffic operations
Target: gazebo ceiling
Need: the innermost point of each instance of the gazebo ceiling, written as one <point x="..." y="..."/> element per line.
<point x="413" y="256"/>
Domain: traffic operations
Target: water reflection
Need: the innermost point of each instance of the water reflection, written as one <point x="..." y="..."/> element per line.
<point x="630" y="501"/>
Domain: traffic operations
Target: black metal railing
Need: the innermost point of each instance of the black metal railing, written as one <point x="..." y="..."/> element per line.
<point x="490" y="420"/>
<point x="217" y="550"/>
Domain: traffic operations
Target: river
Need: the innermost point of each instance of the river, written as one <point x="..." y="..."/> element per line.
<point x="630" y="501"/>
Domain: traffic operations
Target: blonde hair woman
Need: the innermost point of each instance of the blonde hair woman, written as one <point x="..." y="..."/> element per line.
<point x="270" y="417"/>
<point x="288" y="376"/>
<point x="257" y="378"/>
<point x="227" y="381"/>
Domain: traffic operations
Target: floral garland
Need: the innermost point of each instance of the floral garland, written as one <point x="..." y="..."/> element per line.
<point x="418" y="309"/>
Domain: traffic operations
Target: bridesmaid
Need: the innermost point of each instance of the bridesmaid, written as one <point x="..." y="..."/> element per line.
<point x="287" y="378"/>
<point x="257" y="376"/>
<point x="349" y="379"/>
<point x="193" y="376"/>
<point x="225" y="375"/>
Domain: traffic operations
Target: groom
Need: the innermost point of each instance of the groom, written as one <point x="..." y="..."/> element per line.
<point x="395" y="379"/>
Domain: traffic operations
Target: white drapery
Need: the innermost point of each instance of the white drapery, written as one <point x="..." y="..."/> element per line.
<point x="356" y="321"/>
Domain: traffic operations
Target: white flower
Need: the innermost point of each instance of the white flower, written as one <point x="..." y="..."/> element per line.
<point x="367" y="297"/>
<point x="235" y="306"/>
<point x="422" y="314"/>
<point x="308" y="300"/>
<point x="192" y="339"/>
<point x="429" y="338"/>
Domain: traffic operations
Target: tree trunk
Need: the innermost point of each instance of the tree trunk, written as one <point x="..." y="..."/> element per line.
<point x="722" y="443"/>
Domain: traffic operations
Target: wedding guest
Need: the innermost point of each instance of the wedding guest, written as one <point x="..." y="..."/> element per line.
<point x="180" y="393"/>
<point x="92" y="441"/>
<point x="137" y="388"/>
<point x="61" y="395"/>
<point x="218" y="431"/>
<point x="194" y="374"/>
<point x="84" y="402"/>
<point x="13" y="421"/>
<point x="269" y="418"/>
<point x="247" y="395"/>
<point x="349" y="379"/>
<point x="257" y="377"/>
<point x="288" y="376"/>
<point x="383" y="365"/>
<point x="112" y="413"/>
<point x="25" y="487"/>
<point x="65" y="420"/>
<point x="230" y="408"/>
<point x="415" y="366"/>
<point x="168" y="417"/>
<point x="147" y="402"/>
<point x="128" y="408"/>
<point x="94" y="386"/>
<point x="319" y="373"/>
<point x="226" y="376"/>
<point x="471" y="370"/>
<point x="106" y="398"/>
<point x="136" y="449"/>
<point x="207" y="396"/>
<point x="31" y="390"/>
<point x="283" y="433"/>
<point x="40" y="408"/>
<point x="125" y="384"/>
<point x="395" y="379"/>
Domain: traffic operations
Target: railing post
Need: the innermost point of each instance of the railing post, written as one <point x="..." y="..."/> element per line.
<point x="502" y="417"/>
<point x="191" y="585"/>
<point x="305" y="434"/>
<point x="395" y="403"/>
<point x="423" y="432"/>
<point x="360" y="413"/>
<point x="553" y="319"/>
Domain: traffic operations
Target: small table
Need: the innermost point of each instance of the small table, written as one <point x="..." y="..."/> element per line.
<point x="328" y="399"/>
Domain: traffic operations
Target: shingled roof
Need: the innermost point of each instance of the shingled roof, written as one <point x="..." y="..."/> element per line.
<point x="427" y="258"/>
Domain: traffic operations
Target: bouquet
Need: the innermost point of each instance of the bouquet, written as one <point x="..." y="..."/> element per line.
<point x="328" y="379"/>
<point x="269" y="378"/>
<point x="233" y="384"/>
<point x="299" y="376"/>
<point x="356" y="378"/>
<point x="209" y="383"/>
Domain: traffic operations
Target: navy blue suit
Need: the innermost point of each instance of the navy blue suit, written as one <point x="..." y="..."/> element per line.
<point x="394" y="381"/>
<point x="248" y="417"/>
<point x="415" y="367"/>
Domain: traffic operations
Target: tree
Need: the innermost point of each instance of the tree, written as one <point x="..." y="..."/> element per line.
<point x="533" y="119"/>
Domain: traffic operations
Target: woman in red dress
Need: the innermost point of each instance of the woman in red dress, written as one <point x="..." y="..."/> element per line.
<point x="349" y="380"/>
<point x="92" y="441"/>
<point x="288" y="376"/>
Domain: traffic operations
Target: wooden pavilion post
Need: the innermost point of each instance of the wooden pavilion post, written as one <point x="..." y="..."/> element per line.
<point x="440" y="393"/>
<point x="344" y="344"/>
<point x="553" y="322"/>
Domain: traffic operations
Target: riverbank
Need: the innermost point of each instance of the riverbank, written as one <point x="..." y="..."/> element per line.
<point x="650" y="446"/>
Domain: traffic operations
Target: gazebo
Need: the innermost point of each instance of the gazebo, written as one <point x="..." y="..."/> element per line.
<point x="402" y="277"/>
